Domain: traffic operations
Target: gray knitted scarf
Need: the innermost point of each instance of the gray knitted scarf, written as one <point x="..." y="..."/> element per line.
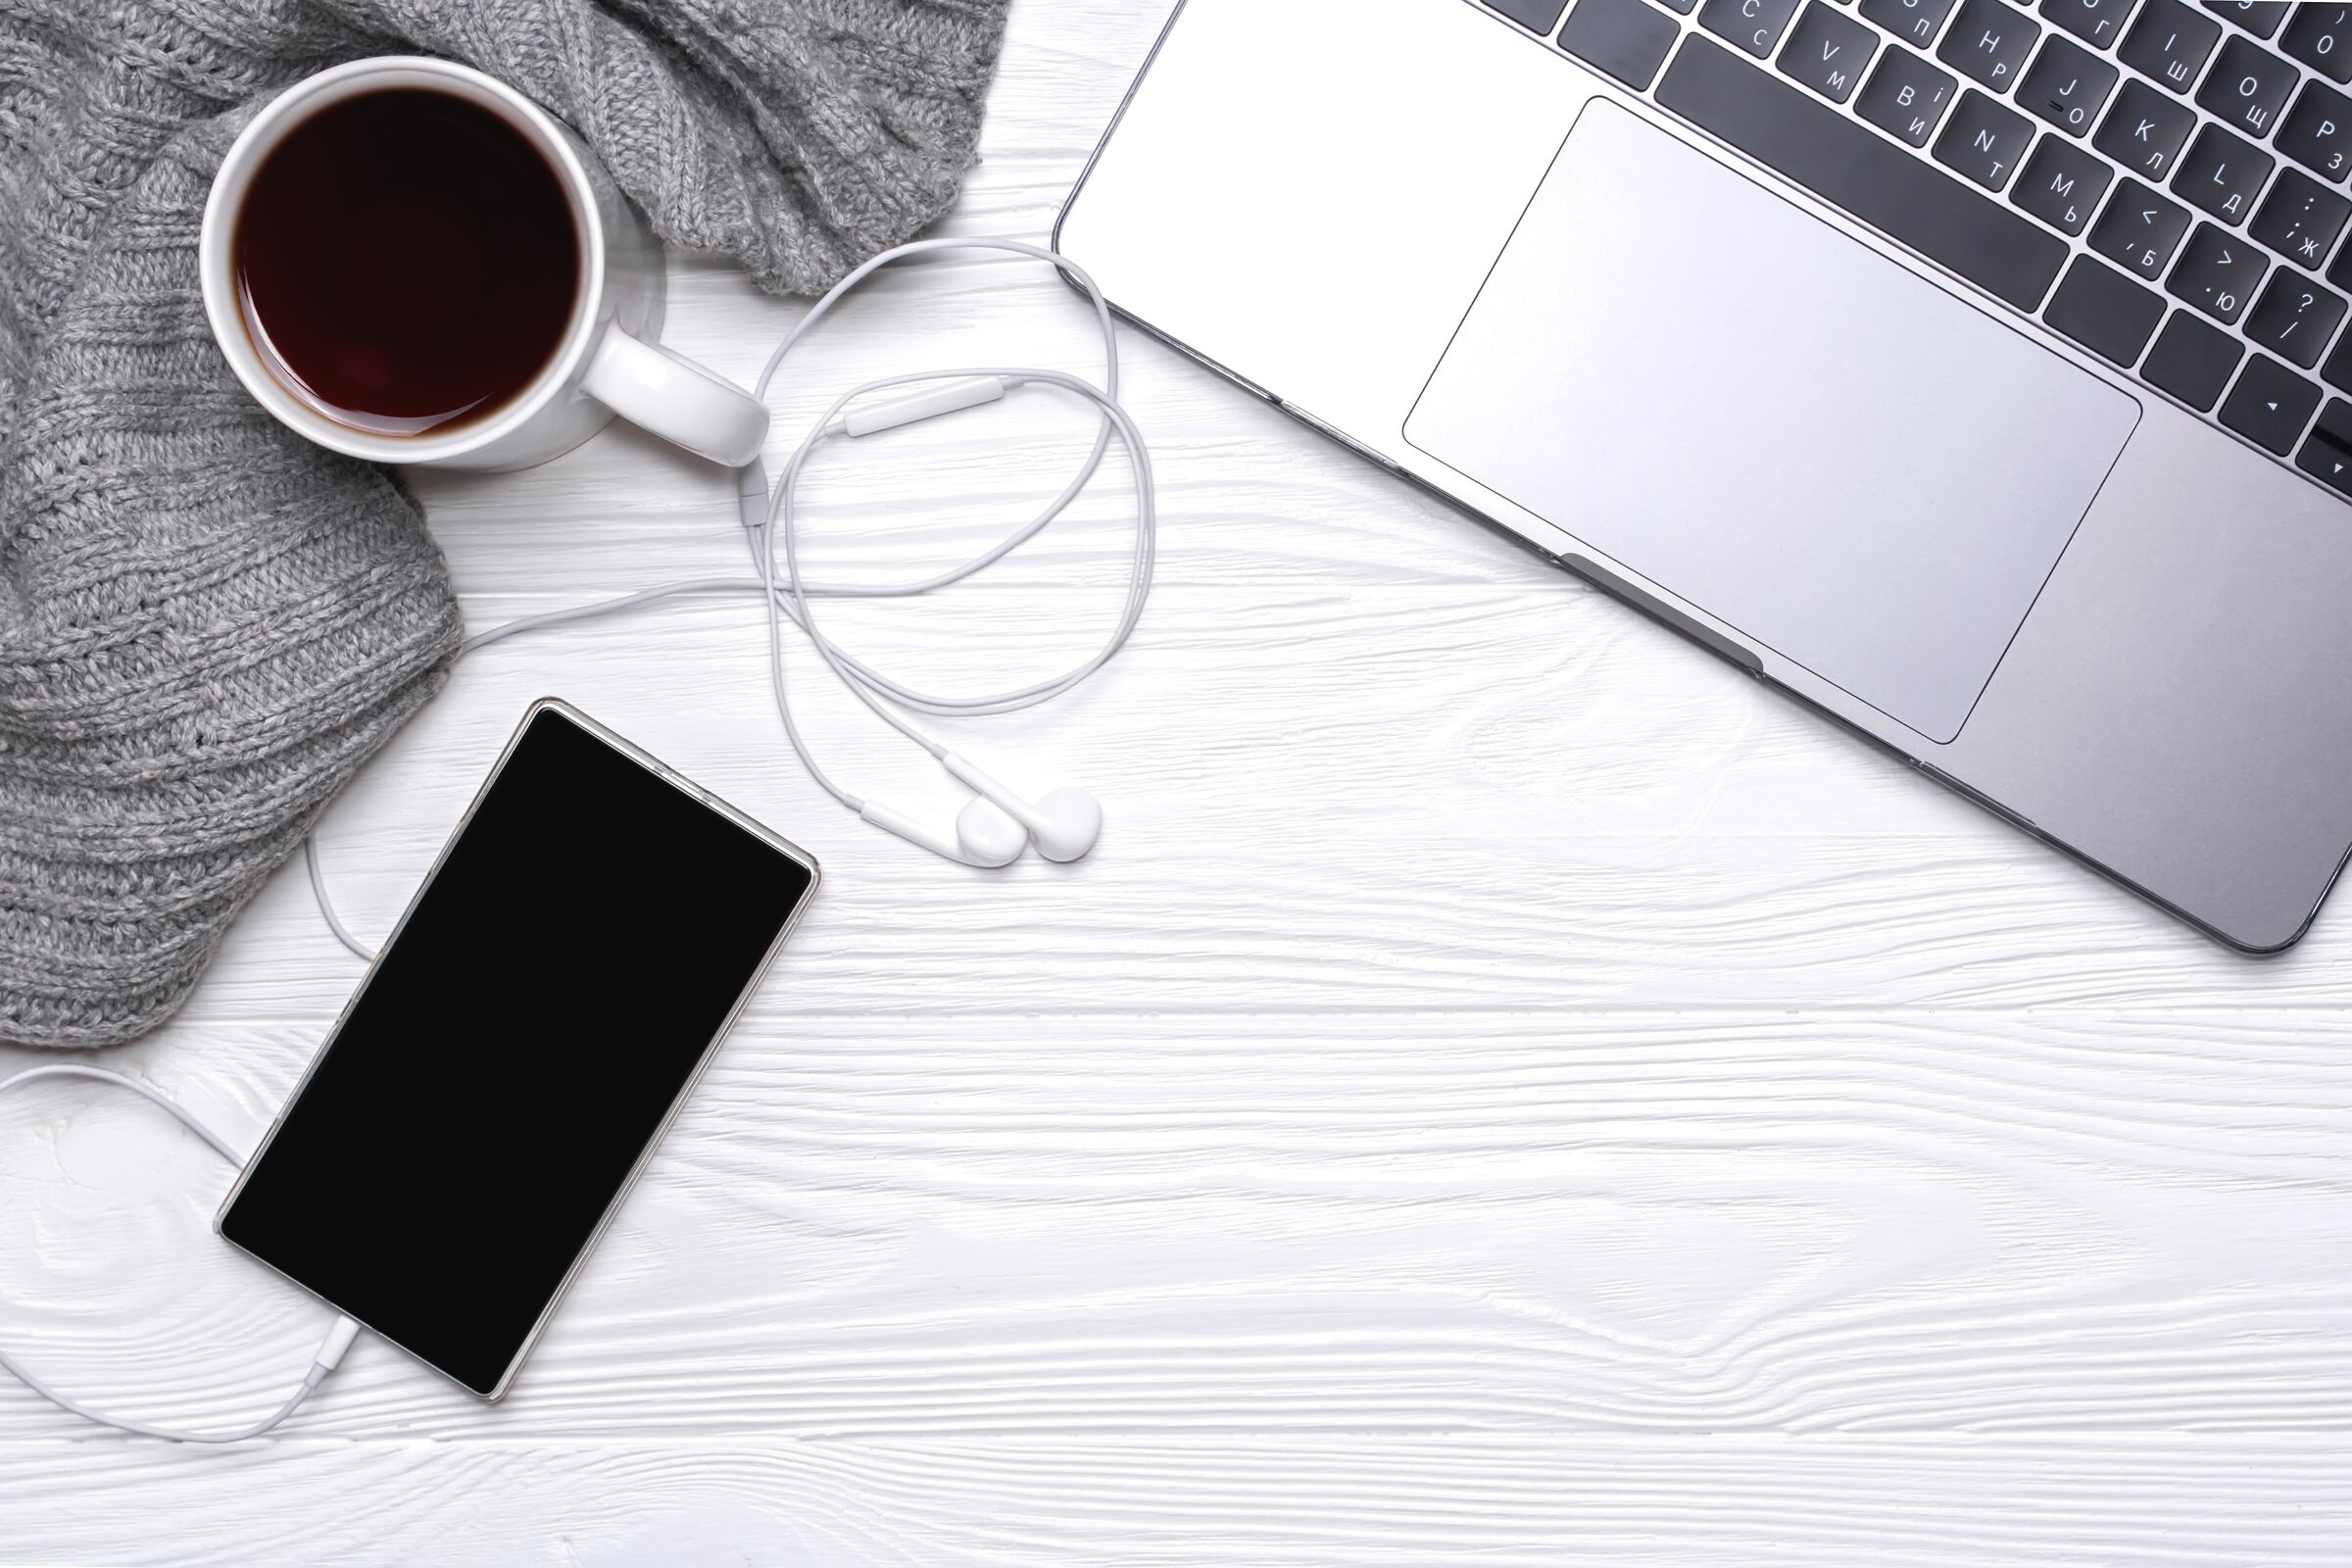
<point x="207" y="624"/>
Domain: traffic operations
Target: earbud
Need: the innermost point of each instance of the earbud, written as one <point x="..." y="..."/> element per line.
<point x="983" y="834"/>
<point x="1064" y="824"/>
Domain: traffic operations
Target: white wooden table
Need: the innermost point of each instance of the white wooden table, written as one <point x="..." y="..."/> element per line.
<point x="1508" y="1090"/>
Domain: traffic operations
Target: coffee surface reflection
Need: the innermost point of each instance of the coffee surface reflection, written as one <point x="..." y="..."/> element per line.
<point x="406" y="262"/>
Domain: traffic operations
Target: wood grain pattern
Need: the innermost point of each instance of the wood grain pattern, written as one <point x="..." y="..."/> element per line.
<point x="1457" y="1222"/>
<point x="1128" y="1502"/>
<point x="1509" y="1090"/>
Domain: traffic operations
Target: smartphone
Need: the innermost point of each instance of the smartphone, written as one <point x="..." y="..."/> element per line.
<point x="518" y="1048"/>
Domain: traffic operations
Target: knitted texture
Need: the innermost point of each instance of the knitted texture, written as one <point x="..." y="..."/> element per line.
<point x="207" y="624"/>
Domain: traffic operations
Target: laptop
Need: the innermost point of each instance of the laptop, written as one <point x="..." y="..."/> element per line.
<point x="1973" y="371"/>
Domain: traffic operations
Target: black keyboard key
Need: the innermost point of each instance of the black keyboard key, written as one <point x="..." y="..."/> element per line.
<point x="2066" y="85"/>
<point x="2144" y="131"/>
<point x="2170" y="43"/>
<point x="2337" y="370"/>
<point x="1913" y="20"/>
<point x="2221" y="172"/>
<point x="1537" y="16"/>
<point x="2328" y="455"/>
<point x="2296" y="317"/>
<point x="2300" y="218"/>
<point x="2094" y="21"/>
<point x="2247" y="87"/>
<point x="1625" y="38"/>
<point x="1905" y="96"/>
<point x="1983" y="140"/>
<point x="2321" y="36"/>
<point x="2104" y="310"/>
<point x="2140" y="229"/>
<point x="1850" y="166"/>
<point x="2191" y="360"/>
<point x="1826" y="52"/>
<point x="1989" y="41"/>
<point x="2259" y="19"/>
<point x="2317" y="134"/>
<point x="2269" y="405"/>
<point x="1681" y="8"/>
<point x="2061" y="185"/>
<point x="2217" y="273"/>
<point x="1751" y="24"/>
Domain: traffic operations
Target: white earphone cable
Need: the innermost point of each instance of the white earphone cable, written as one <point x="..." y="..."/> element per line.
<point x="765" y="513"/>
<point x="334" y="921"/>
<point x="330" y="1350"/>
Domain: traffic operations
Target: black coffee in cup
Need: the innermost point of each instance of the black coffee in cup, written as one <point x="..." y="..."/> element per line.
<point x="405" y="261"/>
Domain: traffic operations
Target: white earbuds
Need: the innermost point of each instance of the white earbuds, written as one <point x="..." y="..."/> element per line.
<point x="995" y="825"/>
<point x="983" y="834"/>
<point x="1064" y="825"/>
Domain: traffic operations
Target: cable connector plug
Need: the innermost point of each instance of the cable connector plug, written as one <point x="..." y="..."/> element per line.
<point x="751" y="495"/>
<point x="331" y="1349"/>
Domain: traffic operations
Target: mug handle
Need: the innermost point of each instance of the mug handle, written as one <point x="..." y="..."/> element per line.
<point x="675" y="399"/>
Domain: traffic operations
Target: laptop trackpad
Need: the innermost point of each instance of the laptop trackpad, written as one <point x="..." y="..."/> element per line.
<point x="1748" y="407"/>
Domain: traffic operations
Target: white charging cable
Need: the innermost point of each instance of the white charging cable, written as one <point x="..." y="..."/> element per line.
<point x="331" y="1349"/>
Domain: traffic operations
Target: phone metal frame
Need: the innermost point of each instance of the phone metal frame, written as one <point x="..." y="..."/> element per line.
<point x="705" y="798"/>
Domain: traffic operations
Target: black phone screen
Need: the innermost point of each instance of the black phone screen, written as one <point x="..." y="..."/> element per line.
<point x="516" y="1050"/>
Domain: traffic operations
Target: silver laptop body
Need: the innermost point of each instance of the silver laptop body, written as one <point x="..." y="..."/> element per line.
<point x="1606" y="308"/>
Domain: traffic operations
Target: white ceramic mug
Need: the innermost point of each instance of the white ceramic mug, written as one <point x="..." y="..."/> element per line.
<point x="607" y="362"/>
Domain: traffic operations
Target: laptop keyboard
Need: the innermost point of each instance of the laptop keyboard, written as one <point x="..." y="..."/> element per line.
<point x="2162" y="184"/>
